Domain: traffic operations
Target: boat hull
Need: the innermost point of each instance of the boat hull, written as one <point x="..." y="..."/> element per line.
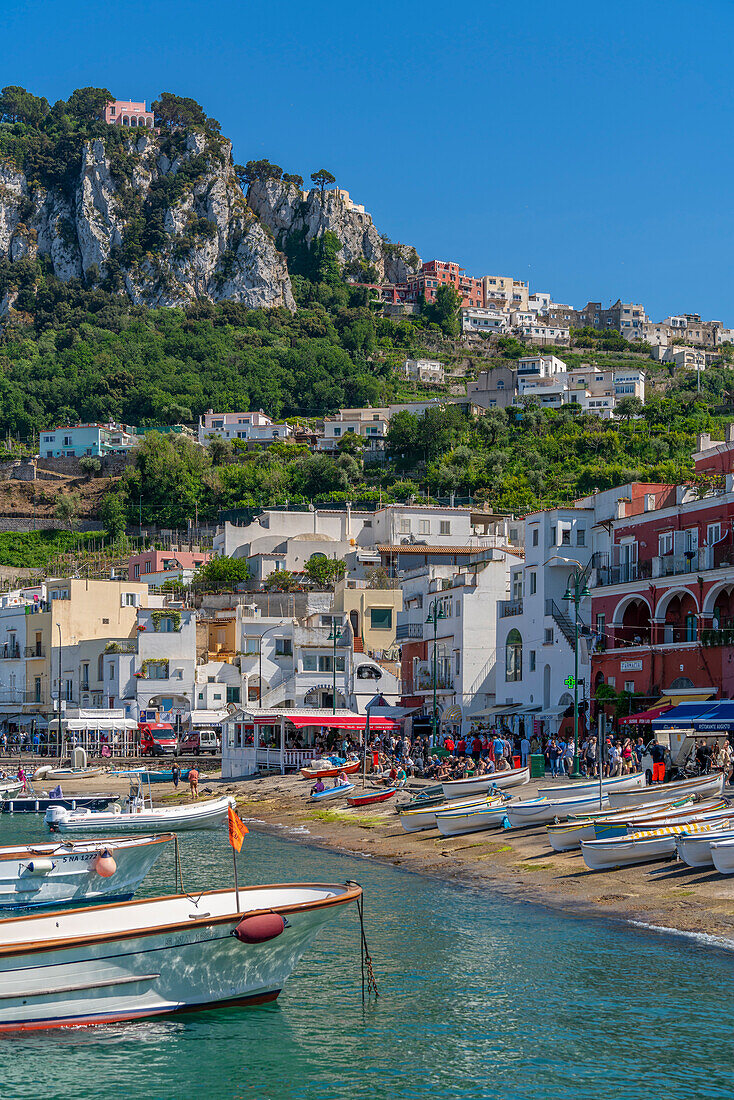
<point x="197" y="815"/>
<point x="73" y="878"/>
<point x="703" y="785"/>
<point x="328" y="773"/>
<point x="696" y="850"/>
<point x="722" y="854"/>
<point x="374" y="796"/>
<point x="471" y="821"/>
<point x="456" y="788"/>
<point x="605" y="855"/>
<point x="620" y="783"/>
<point x="542" y="811"/>
<point x="332" y="792"/>
<point x="107" y="976"/>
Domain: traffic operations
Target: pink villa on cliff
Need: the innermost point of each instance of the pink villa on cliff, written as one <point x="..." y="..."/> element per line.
<point x="123" y="112"/>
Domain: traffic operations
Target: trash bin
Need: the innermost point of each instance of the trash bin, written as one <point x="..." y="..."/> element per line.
<point x="537" y="765"/>
<point x="517" y="761"/>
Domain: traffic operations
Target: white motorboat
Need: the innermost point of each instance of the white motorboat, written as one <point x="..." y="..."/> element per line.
<point x="722" y="853"/>
<point x="645" y="846"/>
<point x="665" y="792"/>
<point x="567" y="835"/>
<point x="539" y="811"/>
<point x="65" y="872"/>
<point x="618" y="783"/>
<point x="10" y="787"/>
<point x="144" y="958"/>
<point x="471" y="819"/>
<point x="208" y="814"/>
<point x="695" y="848"/>
<point x="456" y="788"/>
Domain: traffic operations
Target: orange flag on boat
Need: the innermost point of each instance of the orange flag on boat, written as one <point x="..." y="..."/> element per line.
<point x="237" y="829"/>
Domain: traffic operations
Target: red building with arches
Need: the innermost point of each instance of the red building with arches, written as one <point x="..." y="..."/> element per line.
<point x="125" y="112"/>
<point x="663" y="595"/>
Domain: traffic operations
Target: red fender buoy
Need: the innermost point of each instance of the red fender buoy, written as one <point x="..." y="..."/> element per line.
<point x="104" y="864"/>
<point x="259" y="929"/>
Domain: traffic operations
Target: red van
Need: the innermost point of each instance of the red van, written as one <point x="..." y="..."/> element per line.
<point x="157" y="739"/>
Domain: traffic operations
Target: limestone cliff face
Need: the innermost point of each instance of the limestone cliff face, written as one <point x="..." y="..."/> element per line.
<point x="163" y="219"/>
<point x="289" y="212"/>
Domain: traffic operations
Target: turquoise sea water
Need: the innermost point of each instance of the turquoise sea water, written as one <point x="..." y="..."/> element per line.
<point x="481" y="997"/>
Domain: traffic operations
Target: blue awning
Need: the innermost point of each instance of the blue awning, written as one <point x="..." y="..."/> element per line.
<point x="704" y="717"/>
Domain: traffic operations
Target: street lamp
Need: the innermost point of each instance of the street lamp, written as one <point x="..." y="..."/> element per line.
<point x="58" y="627"/>
<point x="260" y="661"/>
<point x="334" y="633"/>
<point x="575" y="593"/>
<point x="435" y="612"/>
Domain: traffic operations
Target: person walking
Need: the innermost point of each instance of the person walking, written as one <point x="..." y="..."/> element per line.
<point x="524" y="751"/>
<point x="194" y="782"/>
<point x="175" y="774"/>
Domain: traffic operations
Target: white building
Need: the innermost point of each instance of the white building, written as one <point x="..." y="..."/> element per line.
<point x="424" y="370"/>
<point x="369" y="424"/>
<point x="539" y="302"/>
<point x="535" y="628"/>
<point x="165" y="663"/>
<point x="251" y="427"/>
<point x="538" y="333"/>
<point x="484" y="320"/>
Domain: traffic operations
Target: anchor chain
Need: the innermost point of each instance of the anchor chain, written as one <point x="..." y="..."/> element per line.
<point x="365" y="957"/>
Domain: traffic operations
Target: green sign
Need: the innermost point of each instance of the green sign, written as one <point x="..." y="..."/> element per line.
<point x="570" y="682"/>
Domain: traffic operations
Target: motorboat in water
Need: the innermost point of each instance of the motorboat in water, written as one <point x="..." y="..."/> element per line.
<point x="662" y="792"/>
<point x="617" y="783"/>
<point x="515" y="777"/>
<point x="332" y="792"/>
<point x="64" y="872"/>
<point x="145" y="958"/>
<point x="539" y="811"/>
<point x="139" y="815"/>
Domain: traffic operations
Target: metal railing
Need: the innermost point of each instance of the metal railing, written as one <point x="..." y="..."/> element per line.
<point x="35" y="651"/>
<point x="408" y="630"/>
<point x="510" y="607"/>
<point x="10" y="653"/>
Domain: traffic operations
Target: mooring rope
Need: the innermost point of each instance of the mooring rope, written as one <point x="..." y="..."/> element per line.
<point x="364" y="955"/>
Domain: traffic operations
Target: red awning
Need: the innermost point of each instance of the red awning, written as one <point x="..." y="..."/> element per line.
<point x="338" y="721"/>
<point x="644" y="717"/>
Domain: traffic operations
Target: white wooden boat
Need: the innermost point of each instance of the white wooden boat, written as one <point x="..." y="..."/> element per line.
<point x="539" y="811"/>
<point x="618" y="783"/>
<point x="208" y="814"/>
<point x="46" y="772"/>
<point x="624" y="824"/>
<point x="695" y="848"/>
<point x="67" y="872"/>
<point x="145" y="958"/>
<point x="663" y="792"/>
<point x="417" y="819"/>
<point x="471" y="819"/>
<point x="722" y="853"/>
<point x="645" y="846"/>
<point x="333" y="792"/>
<point x="456" y="788"/>
<point x="565" y="836"/>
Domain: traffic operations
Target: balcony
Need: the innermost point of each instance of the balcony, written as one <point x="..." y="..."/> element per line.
<point x="510" y="607"/>
<point x="38" y="651"/>
<point x="404" y="631"/>
<point x="10" y="652"/>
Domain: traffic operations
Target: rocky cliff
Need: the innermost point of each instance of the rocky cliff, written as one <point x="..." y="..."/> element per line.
<point x="291" y="214"/>
<point x="160" y="217"/>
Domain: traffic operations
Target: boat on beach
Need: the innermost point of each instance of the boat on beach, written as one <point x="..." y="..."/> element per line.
<point x="539" y="811"/>
<point x="68" y="872"/>
<point x="47" y="772"/>
<point x="695" y="848"/>
<point x="323" y="769"/>
<point x="424" y="817"/>
<point x="722" y="854"/>
<point x="332" y="792"/>
<point x="145" y="958"/>
<point x="472" y="819"/>
<point x="515" y="777"/>
<point x="647" y="845"/>
<point x="565" y="836"/>
<point x="618" y="783"/>
<point x="661" y="792"/>
<point x="369" y="797"/>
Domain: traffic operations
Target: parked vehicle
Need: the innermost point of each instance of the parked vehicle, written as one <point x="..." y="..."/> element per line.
<point x="199" y="741"/>
<point x="680" y="752"/>
<point x="157" y="739"/>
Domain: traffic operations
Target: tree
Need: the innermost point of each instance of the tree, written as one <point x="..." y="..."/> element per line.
<point x="88" y="104"/>
<point x="222" y="574"/>
<point x="322" y="179"/>
<point x="628" y="407"/>
<point x="173" y="111"/>
<point x="114" y="515"/>
<point x="67" y="509"/>
<point x="18" y="105"/>
<point x="89" y="466"/>
<point x="257" y="170"/>
<point x="324" y="571"/>
<point x="446" y="310"/>
<point x="220" y="451"/>
<point x="282" y="580"/>
<point x="289" y="177"/>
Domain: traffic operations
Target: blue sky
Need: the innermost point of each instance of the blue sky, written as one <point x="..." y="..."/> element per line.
<point x="586" y="148"/>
